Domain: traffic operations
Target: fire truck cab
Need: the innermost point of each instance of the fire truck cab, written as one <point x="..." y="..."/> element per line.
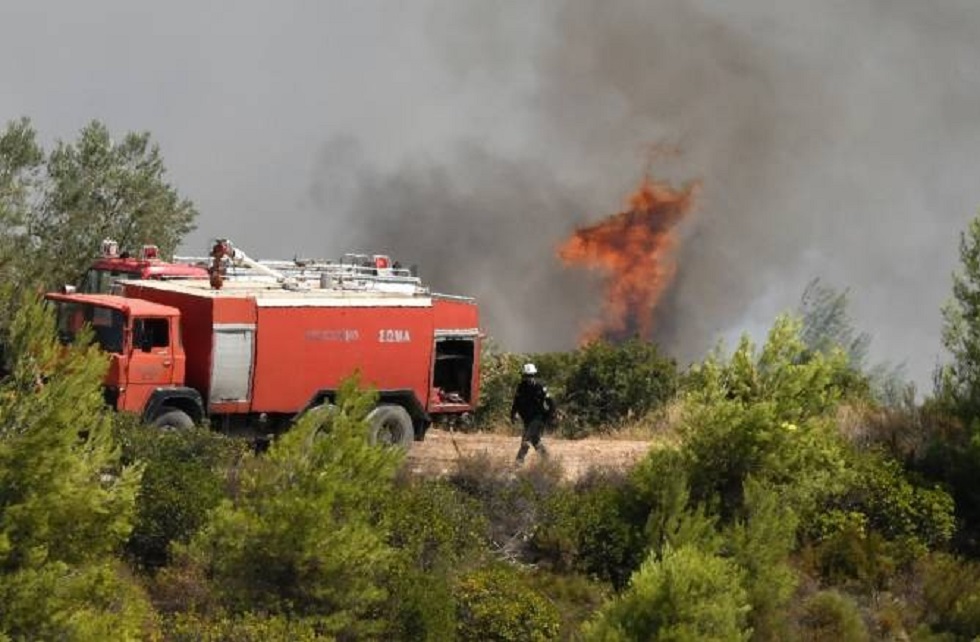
<point x="142" y="340"/>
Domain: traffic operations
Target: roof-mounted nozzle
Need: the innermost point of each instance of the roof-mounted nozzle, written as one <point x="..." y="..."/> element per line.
<point x="225" y="252"/>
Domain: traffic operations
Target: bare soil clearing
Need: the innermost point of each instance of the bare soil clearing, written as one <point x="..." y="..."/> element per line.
<point x="441" y="451"/>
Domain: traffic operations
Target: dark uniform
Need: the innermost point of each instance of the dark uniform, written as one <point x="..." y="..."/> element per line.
<point x="535" y="407"/>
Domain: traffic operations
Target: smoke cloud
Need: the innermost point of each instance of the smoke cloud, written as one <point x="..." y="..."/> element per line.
<point x="832" y="140"/>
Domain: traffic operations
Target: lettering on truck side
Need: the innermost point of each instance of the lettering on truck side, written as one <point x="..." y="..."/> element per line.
<point x="344" y="336"/>
<point x="394" y="336"/>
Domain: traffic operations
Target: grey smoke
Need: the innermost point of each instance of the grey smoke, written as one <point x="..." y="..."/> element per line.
<point x="835" y="139"/>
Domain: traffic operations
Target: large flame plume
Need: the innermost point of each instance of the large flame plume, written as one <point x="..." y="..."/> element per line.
<point x="634" y="250"/>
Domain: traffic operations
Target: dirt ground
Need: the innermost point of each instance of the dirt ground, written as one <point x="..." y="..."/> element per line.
<point x="439" y="453"/>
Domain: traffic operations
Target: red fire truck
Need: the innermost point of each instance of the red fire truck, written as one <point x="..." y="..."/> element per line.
<point x="250" y="355"/>
<point x="113" y="265"/>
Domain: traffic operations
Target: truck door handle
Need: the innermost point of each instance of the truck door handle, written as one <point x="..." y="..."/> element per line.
<point x="167" y="362"/>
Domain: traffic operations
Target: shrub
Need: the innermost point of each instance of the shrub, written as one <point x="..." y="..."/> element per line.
<point x="769" y="414"/>
<point x="434" y="524"/>
<point x="686" y="594"/>
<point x="182" y="481"/>
<point x="66" y="499"/>
<point x="435" y="530"/>
<point x="499" y="374"/>
<point x="878" y="489"/>
<point x="589" y="528"/>
<point x="951" y="595"/>
<point x="301" y="536"/>
<point x="596" y="387"/>
<point x="511" y="503"/>
<point x="575" y="596"/>
<point x="761" y="542"/>
<point x="249" y="627"/>
<point x="496" y="604"/>
<point x="610" y="383"/>
<point x="829" y="616"/>
<point x="421" y="605"/>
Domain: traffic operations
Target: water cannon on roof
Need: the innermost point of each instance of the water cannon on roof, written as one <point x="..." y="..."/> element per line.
<point x="224" y="253"/>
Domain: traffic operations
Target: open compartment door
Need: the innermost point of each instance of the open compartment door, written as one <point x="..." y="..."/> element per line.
<point x="453" y="360"/>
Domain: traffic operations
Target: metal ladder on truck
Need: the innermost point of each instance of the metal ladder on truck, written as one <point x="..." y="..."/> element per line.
<point x="372" y="272"/>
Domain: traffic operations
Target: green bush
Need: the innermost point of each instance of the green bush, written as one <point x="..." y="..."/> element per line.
<point x="829" y="616"/>
<point x="950" y="595"/>
<point x="499" y="374"/>
<point x="576" y="597"/>
<point x="512" y="504"/>
<point x="761" y="541"/>
<point x="434" y="524"/>
<point x="591" y="528"/>
<point x="66" y="499"/>
<point x="769" y="414"/>
<point x="301" y="535"/>
<point x="496" y="605"/>
<point x="880" y="491"/>
<point x="183" y="479"/>
<point x="421" y="605"/>
<point x="89" y="601"/>
<point x="249" y="627"/>
<point x="612" y="382"/>
<point x="436" y="530"/>
<point x="686" y="594"/>
<point x="607" y="523"/>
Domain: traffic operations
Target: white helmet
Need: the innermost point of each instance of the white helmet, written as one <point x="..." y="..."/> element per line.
<point x="529" y="369"/>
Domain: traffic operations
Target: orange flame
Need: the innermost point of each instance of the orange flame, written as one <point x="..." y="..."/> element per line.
<point x="634" y="250"/>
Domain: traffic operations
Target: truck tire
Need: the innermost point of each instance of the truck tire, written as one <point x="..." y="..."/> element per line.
<point x="325" y="423"/>
<point x="391" y="426"/>
<point x="171" y="418"/>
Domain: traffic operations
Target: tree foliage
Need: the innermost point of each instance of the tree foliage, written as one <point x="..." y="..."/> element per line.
<point x="301" y="535"/>
<point x="686" y="594"/>
<point x="496" y="605"/>
<point x="612" y="382"/>
<point x="56" y="207"/>
<point x="827" y="324"/>
<point x="960" y="380"/>
<point x="66" y="502"/>
<point x="183" y="479"/>
<point x="768" y="414"/>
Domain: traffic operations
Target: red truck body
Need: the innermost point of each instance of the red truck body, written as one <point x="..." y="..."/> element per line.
<point x="255" y="353"/>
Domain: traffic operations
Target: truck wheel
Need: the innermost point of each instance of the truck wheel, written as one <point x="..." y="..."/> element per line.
<point x="171" y="418"/>
<point x="391" y="426"/>
<point x="325" y="423"/>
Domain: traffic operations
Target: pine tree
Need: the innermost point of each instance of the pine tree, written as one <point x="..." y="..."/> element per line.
<point x="66" y="503"/>
<point x="302" y="534"/>
<point x="959" y="381"/>
<point x="685" y="595"/>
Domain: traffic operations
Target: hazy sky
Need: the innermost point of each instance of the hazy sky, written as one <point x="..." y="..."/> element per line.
<point x="837" y="139"/>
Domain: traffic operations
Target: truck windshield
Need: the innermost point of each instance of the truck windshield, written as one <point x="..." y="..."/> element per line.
<point x="99" y="281"/>
<point x="107" y="324"/>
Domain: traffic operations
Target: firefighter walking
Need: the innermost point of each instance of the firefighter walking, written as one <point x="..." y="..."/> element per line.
<point x="535" y="407"/>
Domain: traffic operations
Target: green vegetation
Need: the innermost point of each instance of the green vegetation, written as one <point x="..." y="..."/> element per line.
<point x="57" y="206"/>
<point x="803" y="494"/>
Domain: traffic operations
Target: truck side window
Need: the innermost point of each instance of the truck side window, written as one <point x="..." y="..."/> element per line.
<point x="151" y="333"/>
